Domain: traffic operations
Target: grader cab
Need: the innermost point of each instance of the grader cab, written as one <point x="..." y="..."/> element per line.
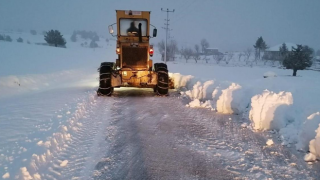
<point x="133" y="68"/>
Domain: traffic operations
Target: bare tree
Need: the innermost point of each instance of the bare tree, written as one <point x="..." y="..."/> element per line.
<point x="172" y="49"/>
<point x="186" y="53"/>
<point x="196" y="53"/>
<point x="247" y="54"/>
<point x="197" y="48"/>
<point x="204" y="44"/>
<point x="239" y="56"/>
<point x="206" y="58"/>
<point x="229" y="57"/>
<point x="218" y="57"/>
<point x="161" y="47"/>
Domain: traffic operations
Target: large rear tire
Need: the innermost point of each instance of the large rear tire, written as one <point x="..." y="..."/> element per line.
<point x="105" y="73"/>
<point x="162" y="87"/>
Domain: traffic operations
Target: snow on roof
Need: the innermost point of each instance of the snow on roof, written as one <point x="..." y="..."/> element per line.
<point x="277" y="47"/>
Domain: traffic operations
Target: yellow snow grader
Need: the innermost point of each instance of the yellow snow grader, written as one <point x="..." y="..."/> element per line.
<point x="133" y="68"/>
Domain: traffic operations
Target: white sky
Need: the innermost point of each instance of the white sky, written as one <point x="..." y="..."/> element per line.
<point x="226" y="24"/>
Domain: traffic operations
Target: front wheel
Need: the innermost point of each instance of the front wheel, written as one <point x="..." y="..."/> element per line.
<point x="105" y="72"/>
<point x="162" y="87"/>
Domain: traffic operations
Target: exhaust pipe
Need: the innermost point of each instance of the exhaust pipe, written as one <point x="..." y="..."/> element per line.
<point x="140" y="33"/>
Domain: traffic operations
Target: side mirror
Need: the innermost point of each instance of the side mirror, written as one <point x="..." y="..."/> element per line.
<point x="110" y="29"/>
<point x="155" y="32"/>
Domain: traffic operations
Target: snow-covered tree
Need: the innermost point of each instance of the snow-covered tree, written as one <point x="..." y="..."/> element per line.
<point x="20" y="40"/>
<point x="8" y="38"/>
<point x="298" y="59"/>
<point x="2" y="37"/>
<point x="93" y="44"/>
<point x="54" y="37"/>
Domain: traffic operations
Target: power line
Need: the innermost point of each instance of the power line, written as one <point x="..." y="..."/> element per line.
<point x="184" y="10"/>
<point x="166" y="28"/>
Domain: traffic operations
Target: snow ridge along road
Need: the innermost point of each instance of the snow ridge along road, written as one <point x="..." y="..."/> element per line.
<point x="70" y="151"/>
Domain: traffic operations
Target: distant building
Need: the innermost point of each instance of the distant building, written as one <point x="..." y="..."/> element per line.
<point x="273" y="53"/>
<point x="211" y="51"/>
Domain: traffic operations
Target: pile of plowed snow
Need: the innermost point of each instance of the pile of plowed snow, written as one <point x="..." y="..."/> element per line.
<point x="288" y="112"/>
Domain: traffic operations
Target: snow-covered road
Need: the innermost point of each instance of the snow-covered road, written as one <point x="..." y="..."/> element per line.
<point x="137" y="135"/>
<point x="159" y="138"/>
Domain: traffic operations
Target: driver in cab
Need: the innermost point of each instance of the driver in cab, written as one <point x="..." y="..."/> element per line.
<point x="133" y="30"/>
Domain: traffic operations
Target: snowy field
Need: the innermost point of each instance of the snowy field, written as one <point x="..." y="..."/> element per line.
<point x="48" y="103"/>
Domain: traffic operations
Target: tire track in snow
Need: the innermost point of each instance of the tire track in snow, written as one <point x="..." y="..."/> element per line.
<point x="87" y="145"/>
<point x="153" y="143"/>
<point x="159" y="138"/>
<point x="61" y="147"/>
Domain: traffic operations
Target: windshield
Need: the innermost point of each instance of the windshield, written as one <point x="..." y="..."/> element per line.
<point x="130" y="27"/>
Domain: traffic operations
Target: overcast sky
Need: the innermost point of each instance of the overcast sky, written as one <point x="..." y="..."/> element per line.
<point x="226" y="24"/>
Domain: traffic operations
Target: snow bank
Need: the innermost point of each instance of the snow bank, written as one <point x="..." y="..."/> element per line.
<point x="201" y="91"/>
<point x="268" y="110"/>
<point x="314" y="147"/>
<point x="234" y="99"/>
<point x="225" y="97"/>
<point x="180" y="81"/>
<point x="196" y="104"/>
<point x="308" y="131"/>
<point x="289" y="134"/>
<point x="24" y="174"/>
<point x="224" y="103"/>
<point x="57" y="143"/>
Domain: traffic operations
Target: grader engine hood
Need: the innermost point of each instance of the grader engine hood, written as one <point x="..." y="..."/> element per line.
<point x="134" y="57"/>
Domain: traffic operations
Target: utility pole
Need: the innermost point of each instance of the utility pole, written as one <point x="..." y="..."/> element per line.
<point x="167" y="28"/>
